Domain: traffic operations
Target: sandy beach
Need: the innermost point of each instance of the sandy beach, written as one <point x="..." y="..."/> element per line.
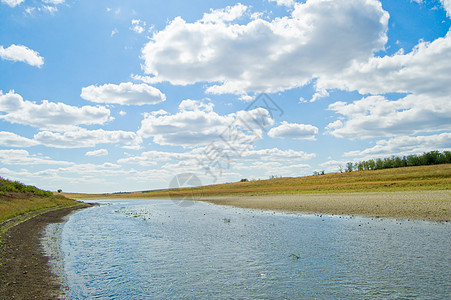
<point x="423" y="205"/>
<point x="24" y="268"/>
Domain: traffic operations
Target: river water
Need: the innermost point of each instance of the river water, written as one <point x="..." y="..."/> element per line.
<point x="151" y="249"/>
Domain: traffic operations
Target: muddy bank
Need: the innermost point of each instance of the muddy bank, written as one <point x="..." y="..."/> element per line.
<point x="24" y="269"/>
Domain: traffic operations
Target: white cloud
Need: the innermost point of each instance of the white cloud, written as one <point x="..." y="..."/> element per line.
<point x="9" y="139"/>
<point x="55" y="116"/>
<point x="293" y="131"/>
<point x="150" y="158"/>
<point x="13" y="3"/>
<point x="277" y="155"/>
<point x="227" y="14"/>
<point x="426" y="70"/>
<point x="287" y="3"/>
<point x="376" y="116"/>
<point x="201" y="155"/>
<point x="138" y="26"/>
<point x="55" y="2"/>
<point x="447" y="7"/>
<point x="405" y="145"/>
<point x="23" y="54"/>
<point x="197" y="124"/>
<point x="334" y="165"/>
<point x="22" y="157"/>
<point x="114" y="32"/>
<point x="48" y="8"/>
<point x="125" y="93"/>
<point x="319" y="37"/>
<point x="99" y="152"/>
<point x="82" y="138"/>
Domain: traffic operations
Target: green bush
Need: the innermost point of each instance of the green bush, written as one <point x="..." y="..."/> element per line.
<point x="8" y="186"/>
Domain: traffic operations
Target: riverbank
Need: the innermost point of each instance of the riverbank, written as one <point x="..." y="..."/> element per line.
<point x="25" y="272"/>
<point x="421" y="205"/>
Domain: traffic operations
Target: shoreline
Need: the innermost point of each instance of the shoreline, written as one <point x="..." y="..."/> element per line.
<point x="419" y="205"/>
<point x="25" y="271"/>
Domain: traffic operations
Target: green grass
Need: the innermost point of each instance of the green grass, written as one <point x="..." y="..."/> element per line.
<point x="420" y="178"/>
<point x="8" y="186"/>
<point x="17" y="199"/>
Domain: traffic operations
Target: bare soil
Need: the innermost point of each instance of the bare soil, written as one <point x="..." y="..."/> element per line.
<point x="25" y="272"/>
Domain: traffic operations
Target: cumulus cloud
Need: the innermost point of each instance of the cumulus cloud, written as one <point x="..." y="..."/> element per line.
<point x="405" y="145"/>
<point x="99" y="152"/>
<point x="126" y="93"/>
<point x="13" y="3"/>
<point x="23" y="157"/>
<point x="197" y="124"/>
<point x="376" y="116"/>
<point x="227" y="14"/>
<point x="426" y="70"/>
<point x="293" y="131"/>
<point x="277" y="154"/>
<point x="23" y="54"/>
<point x="82" y="138"/>
<point x="447" y="6"/>
<point x="319" y="37"/>
<point x="9" y="139"/>
<point x="55" y="116"/>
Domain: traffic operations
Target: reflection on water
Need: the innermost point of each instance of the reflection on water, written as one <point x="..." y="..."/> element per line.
<point x="155" y="249"/>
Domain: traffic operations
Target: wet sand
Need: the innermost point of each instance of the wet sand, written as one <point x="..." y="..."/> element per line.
<point x="422" y="205"/>
<point x="25" y="272"/>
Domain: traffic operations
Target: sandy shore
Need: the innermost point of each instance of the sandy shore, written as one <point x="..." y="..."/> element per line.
<point x="24" y="268"/>
<point x="423" y="205"/>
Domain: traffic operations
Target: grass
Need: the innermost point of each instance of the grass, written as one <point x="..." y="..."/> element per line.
<point x="18" y="199"/>
<point x="8" y="186"/>
<point x="420" y="178"/>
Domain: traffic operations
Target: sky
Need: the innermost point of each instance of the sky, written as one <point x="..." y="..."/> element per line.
<point x="113" y="96"/>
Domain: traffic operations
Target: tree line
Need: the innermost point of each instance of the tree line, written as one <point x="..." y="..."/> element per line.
<point x="429" y="158"/>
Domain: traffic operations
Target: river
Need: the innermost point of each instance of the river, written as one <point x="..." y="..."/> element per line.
<point x="152" y="249"/>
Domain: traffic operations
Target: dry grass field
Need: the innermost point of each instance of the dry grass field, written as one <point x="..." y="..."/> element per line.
<point x="421" y="178"/>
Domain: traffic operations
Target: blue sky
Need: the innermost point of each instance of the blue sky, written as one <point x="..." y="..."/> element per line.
<point x="108" y="96"/>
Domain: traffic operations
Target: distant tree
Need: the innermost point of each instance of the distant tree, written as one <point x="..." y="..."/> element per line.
<point x="447" y="156"/>
<point x="371" y="164"/>
<point x="244" y="180"/>
<point x="360" y="166"/>
<point x="60" y="190"/>
<point x="397" y="162"/>
<point x="388" y="163"/>
<point x="429" y="158"/>
<point x="379" y="164"/>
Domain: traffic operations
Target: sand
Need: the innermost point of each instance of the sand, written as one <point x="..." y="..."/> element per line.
<point x="423" y="205"/>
